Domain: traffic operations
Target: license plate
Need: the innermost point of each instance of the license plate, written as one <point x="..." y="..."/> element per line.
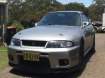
<point x="30" y="56"/>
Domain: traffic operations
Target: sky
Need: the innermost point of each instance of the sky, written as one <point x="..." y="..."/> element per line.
<point x="85" y="2"/>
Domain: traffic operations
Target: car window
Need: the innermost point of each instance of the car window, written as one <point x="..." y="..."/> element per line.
<point x="85" y="18"/>
<point x="61" y="18"/>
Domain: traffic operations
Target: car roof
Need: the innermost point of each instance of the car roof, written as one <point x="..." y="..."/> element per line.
<point x="66" y="11"/>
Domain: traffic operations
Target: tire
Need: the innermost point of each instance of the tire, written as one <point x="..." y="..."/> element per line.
<point x="81" y="56"/>
<point x="95" y="29"/>
<point x="104" y="30"/>
<point x="80" y="67"/>
<point x="93" y="47"/>
<point x="11" y="64"/>
<point x="81" y="53"/>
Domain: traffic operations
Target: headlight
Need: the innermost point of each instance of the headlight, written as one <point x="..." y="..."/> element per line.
<point x="15" y="42"/>
<point x="59" y="44"/>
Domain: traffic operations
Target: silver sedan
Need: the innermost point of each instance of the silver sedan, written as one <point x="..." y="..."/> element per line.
<point x="58" y="42"/>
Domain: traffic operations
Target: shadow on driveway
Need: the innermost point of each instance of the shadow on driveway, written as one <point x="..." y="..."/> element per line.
<point x="64" y="75"/>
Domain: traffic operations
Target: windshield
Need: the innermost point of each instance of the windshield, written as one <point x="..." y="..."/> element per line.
<point x="61" y="18"/>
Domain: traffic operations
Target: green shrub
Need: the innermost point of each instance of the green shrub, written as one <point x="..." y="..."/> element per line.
<point x="18" y="25"/>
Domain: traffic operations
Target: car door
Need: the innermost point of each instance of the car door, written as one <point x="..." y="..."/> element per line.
<point x="86" y="31"/>
<point x="91" y="32"/>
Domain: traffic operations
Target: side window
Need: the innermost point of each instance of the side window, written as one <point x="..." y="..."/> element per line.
<point x="84" y="18"/>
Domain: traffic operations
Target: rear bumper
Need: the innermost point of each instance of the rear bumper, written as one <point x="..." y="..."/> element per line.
<point x="49" y="59"/>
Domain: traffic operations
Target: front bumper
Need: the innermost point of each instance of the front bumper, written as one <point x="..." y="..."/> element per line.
<point x="49" y="58"/>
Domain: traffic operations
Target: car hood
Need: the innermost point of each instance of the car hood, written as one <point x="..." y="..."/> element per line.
<point x="49" y="33"/>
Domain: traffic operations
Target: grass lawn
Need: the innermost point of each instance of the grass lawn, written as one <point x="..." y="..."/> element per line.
<point x="3" y="48"/>
<point x="3" y="58"/>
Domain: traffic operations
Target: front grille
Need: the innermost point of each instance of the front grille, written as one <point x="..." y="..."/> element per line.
<point x="34" y="43"/>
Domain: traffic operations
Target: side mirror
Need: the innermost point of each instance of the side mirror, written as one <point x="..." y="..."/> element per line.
<point x="36" y="24"/>
<point x="85" y="24"/>
<point x="90" y="20"/>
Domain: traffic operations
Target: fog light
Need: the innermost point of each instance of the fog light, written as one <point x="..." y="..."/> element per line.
<point x="63" y="62"/>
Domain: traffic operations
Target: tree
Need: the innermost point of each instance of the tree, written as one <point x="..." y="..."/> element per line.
<point x="28" y="11"/>
<point x="96" y="10"/>
<point x="99" y="2"/>
<point x="32" y="10"/>
<point x="76" y="6"/>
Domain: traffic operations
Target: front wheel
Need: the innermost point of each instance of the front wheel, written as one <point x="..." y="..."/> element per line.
<point x="81" y="55"/>
<point x="93" y="46"/>
<point x="81" y="52"/>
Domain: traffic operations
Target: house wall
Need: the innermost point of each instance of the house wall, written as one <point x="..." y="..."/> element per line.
<point x="103" y="20"/>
